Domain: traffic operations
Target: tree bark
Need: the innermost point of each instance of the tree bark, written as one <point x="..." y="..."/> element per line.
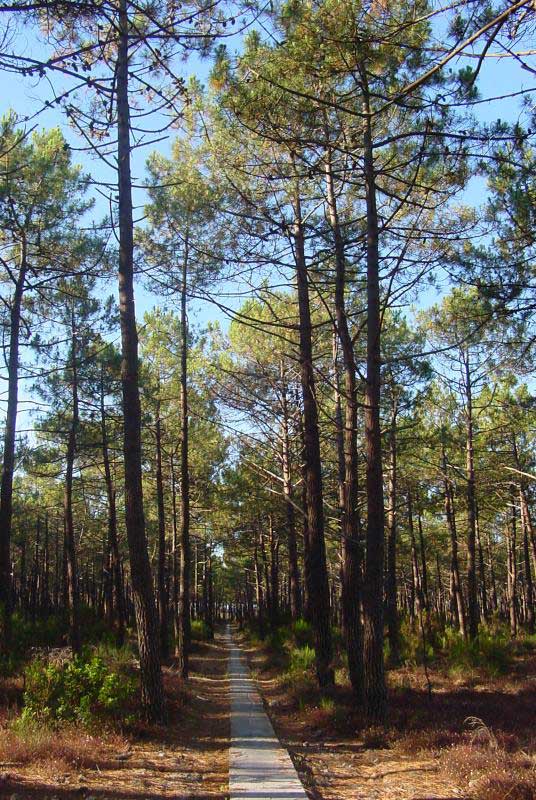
<point x="294" y="573"/>
<point x="350" y="520"/>
<point x="512" y="565"/>
<point x="162" y="551"/>
<point x="70" y="544"/>
<point x="113" y="544"/>
<point x="529" y="586"/>
<point x="183" y="641"/>
<point x="141" y="578"/>
<point x="393" y="625"/>
<point x="8" y="462"/>
<point x="457" y="593"/>
<point x="318" y="588"/>
<point x="374" y="673"/>
<point x="472" y="593"/>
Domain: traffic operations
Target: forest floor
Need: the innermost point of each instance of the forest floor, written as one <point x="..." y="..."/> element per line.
<point x="428" y="752"/>
<point x="431" y="750"/>
<point x="187" y="759"/>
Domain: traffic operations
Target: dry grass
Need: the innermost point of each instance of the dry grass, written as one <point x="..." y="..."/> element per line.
<point x="490" y="773"/>
<point x="475" y="738"/>
<point x="64" y="748"/>
<point x="186" y="758"/>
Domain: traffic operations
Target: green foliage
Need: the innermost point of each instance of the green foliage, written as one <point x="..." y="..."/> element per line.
<point x="489" y="652"/>
<point x="200" y="631"/>
<point x="302" y="659"/>
<point x="302" y="633"/>
<point x="79" y="690"/>
<point x="26" y="634"/>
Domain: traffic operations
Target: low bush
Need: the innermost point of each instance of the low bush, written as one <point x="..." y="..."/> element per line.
<point x="302" y="659"/>
<point x="489" y="653"/>
<point x="79" y="690"/>
<point x="200" y="631"/>
<point x="302" y="633"/>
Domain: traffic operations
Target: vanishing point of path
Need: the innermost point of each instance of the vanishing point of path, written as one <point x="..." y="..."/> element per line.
<point x="260" y="768"/>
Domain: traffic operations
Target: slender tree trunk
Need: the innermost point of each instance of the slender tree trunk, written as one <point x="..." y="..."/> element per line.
<point x="274" y="570"/>
<point x="529" y="586"/>
<point x="72" y="567"/>
<point x="472" y="593"/>
<point x="184" y="583"/>
<point x="525" y="510"/>
<point x="307" y="583"/>
<point x="259" y="591"/>
<point x="424" y="567"/>
<point x="294" y="573"/>
<point x="459" y="604"/>
<point x="318" y="589"/>
<point x="141" y="578"/>
<point x="350" y="521"/>
<point x="45" y="590"/>
<point x="8" y="461"/>
<point x="374" y="673"/>
<point x="162" y="552"/>
<point x="113" y="544"/>
<point x="175" y="555"/>
<point x="417" y="580"/>
<point x="393" y="625"/>
<point x="512" y="565"/>
<point x="481" y="568"/>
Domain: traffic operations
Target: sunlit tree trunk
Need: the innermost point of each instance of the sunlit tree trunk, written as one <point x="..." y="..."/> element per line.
<point x="318" y="588"/>
<point x="350" y="521"/>
<point x="472" y="593"/>
<point x="70" y="543"/>
<point x="141" y="578"/>
<point x="113" y="544"/>
<point x="8" y="460"/>
<point x="374" y="673"/>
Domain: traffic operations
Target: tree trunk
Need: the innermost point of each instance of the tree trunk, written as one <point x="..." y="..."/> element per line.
<point x="472" y="593"/>
<point x="294" y="573"/>
<point x="393" y="626"/>
<point x="512" y="565"/>
<point x="141" y="578"/>
<point x="481" y="568"/>
<point x="162" y="551"/>
<point x="113" y="544"/>
<point x="183" y="642"/>
<point x="350" y="521"/>
<point x="529" y="586"/>
<point x="374" y="673"/>
<point x="457" y="594"/>
<point x="70" y="544"/>
<point x="8" y="462"/>
<point x="318" y="588"/>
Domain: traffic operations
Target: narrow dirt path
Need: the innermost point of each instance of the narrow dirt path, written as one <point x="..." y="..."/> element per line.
<point x="259" y="766"/>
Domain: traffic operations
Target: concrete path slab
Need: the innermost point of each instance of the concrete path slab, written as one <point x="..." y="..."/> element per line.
<point x="260" y="768"/>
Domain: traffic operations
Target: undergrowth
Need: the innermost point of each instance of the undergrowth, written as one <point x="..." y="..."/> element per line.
<point x="82" y="690"/>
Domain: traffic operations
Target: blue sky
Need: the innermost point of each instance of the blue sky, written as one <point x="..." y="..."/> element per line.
<point x="498" y="76"/>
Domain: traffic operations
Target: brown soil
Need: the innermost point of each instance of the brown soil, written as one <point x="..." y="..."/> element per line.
<point x="337" y="758"/>
<point x="186" y="759"/>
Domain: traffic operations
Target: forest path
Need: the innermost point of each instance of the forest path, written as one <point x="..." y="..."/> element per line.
<point x="260" y="768"/>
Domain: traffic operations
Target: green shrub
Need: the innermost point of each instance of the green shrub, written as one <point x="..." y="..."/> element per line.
<point x="302" y="633"/>
<point x="276" y="640"/>
<point x="488" y="652"/>
<point x="79" y="690"/>
<point x="302" y="659"/>
<point x="200" y="631"/>
<point x="412" y="648"/>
